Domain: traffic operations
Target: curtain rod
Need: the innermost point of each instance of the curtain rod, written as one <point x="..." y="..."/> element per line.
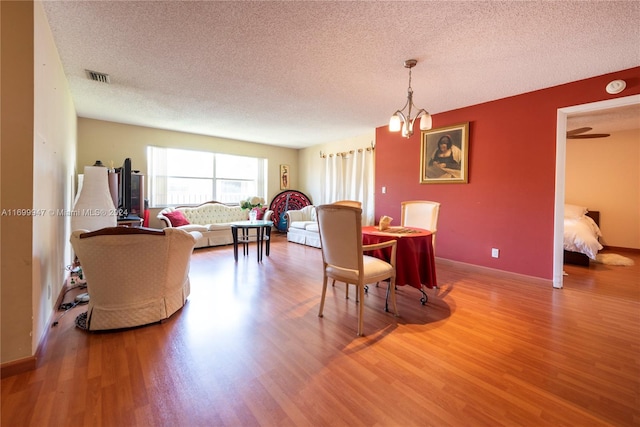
<point x="324" y="155"/>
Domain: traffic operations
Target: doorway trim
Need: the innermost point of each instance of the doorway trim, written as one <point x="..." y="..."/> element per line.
<point x="561" y="157"/>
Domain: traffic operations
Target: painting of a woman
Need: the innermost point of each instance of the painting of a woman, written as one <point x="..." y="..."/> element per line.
<point x="447" y="156"/>
<point x="444" y="154"/>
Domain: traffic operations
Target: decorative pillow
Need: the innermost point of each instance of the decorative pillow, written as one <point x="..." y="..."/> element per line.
<point x="574" y="211"/>
<point x="177" y="218"/>
<point x="260" y="213"/>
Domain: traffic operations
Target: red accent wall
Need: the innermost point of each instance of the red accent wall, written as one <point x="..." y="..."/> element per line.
<point x="508" y="202"/>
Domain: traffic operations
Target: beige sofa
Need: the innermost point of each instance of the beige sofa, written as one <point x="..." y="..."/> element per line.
<point x="212" y="219"/>
<point x="302" y="226"/>
<point x="135" y="276"/>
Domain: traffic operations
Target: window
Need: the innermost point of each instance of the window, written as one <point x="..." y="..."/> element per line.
<point x="186" y="177"/>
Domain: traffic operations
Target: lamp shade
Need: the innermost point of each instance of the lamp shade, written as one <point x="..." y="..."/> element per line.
<point x="93" y="208"/>
<point x="394" y="123"/>
<point x="426" y="122"/>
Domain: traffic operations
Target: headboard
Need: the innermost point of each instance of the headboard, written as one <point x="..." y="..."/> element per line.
<point x="595" y="216"/>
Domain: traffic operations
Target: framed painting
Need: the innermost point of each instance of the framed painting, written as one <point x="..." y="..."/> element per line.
<point x="284" y="177"/>
<point x="444" y="154"/>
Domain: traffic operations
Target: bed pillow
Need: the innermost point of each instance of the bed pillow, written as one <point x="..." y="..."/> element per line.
<point x="177" y="218"/>
<point x="574" y="211"/>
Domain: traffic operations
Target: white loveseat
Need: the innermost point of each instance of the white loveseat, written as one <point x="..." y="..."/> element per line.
<point x="302" y="226"/>
<point x="212" y="219"/>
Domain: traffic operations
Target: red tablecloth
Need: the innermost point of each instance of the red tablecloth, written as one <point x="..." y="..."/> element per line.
<point x="415" y="259"/>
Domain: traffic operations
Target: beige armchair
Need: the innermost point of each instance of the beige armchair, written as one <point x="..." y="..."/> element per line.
<point x="135" y="276"/>
<point x="343" y="255"/>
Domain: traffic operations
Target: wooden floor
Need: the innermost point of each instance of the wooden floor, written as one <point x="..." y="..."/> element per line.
<point x="249" y="350"/>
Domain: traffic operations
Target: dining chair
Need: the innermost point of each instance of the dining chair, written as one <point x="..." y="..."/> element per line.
<point x="421" y="214"/>
<point x="355" y="204"/>
<point x="343" y="257"/>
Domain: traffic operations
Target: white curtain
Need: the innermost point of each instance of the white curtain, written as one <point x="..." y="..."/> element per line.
<point x="349" y="176"/>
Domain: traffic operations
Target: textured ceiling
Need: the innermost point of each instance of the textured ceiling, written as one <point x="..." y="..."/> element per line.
<point x="300" y="73"/>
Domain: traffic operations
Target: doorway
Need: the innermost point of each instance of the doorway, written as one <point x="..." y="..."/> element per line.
<point x="561" y="152"/>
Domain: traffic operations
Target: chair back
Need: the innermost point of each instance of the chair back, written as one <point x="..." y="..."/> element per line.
<point x="135" y="276"/>
<point x="340" y="229"/>
<point x="420" y="214"/>
<point x="353" y="203"/>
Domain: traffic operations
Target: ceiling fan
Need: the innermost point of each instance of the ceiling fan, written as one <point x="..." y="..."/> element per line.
<point x="580" y="134"/>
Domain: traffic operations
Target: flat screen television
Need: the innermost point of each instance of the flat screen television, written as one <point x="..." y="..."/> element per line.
<point x="125" y="206"/>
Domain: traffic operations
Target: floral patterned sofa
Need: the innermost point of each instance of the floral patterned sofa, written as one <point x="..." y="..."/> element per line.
<point x="212" y="219"/>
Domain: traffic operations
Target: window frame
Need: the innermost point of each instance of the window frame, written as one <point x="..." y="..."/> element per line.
<point x="159" y="180"/>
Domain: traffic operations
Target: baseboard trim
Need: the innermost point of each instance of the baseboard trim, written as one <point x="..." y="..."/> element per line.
<point x="621" y="249"/>
<point x="472" y="268"/>
<point x="27" y="364"/>
<point x="18" y="366"/>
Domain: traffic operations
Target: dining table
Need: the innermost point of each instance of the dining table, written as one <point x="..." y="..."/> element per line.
<point x="415" y="257"/>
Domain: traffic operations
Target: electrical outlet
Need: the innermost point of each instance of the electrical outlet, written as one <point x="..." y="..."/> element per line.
<point x="495" y="253"/>
<point x="384" y="190"/>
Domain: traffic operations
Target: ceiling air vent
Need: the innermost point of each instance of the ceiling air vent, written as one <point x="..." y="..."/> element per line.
<point x="98" y="77"/>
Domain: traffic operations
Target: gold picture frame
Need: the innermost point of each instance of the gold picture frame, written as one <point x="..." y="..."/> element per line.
<point x="285" y="183"/>
<point x="444" y="155"/>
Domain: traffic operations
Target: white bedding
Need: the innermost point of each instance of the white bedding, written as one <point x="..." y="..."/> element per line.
<point x="581" y="235"/>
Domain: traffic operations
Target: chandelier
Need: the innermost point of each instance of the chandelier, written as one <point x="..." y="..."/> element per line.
<point x="404" y="122"/>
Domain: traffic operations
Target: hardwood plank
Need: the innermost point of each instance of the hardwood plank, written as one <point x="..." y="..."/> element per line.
<point x="248" y="349"/>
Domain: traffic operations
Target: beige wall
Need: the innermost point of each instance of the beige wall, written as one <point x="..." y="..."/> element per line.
<point x="38" y="148"/>
<point x="310" y="163"/>
<point x="604" y="174"/>
<point x="54" y="155"/>
<point x="113" y="142"/>
<point x="16" y="177"/>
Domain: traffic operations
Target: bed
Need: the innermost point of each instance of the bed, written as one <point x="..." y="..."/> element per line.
<point x="581" y="235"/>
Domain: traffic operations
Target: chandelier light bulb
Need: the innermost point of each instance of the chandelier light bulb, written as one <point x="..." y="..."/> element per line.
<point x="426" y="122"/>
<point x="394" y="123"/>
